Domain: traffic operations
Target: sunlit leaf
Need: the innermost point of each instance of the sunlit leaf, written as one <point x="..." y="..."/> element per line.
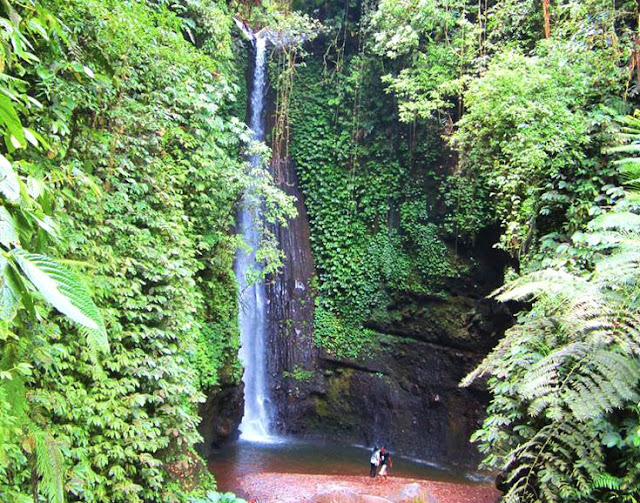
<point x="61" y="288"/>
<point x="8" y="229"/>
<point x="9" y="183"/>
<point x="9" y="292"/>
<point x="10" y="119"/>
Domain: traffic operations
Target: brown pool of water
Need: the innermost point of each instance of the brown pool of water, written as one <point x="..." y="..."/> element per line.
<point x="235" y="460"/>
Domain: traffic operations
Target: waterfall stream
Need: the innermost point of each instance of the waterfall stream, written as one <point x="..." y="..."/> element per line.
<point x="257" y="419"/>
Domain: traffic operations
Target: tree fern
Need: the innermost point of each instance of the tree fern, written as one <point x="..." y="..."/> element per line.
<point x="571" y="361"/>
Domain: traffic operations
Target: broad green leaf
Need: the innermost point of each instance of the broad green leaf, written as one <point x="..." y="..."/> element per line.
<point x="35" y="187"/>
<point x="12" y="142"/>
<point x="8" y="229"/>
<point x="47" y="224"/>
<point x="24" y="369"/>
<point x="9" y="183"/>
<point x="612" y="439"/>
<point x="10" y="119"/>
<point x="61" y="288"/>
<point x="37" y="27"/>
<point x="31" y="137"/>
<point x="9" y="292"/>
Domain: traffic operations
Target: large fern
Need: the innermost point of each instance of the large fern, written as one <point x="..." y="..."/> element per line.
<point x="563" y="370"/>
<point x="570" y="369"/>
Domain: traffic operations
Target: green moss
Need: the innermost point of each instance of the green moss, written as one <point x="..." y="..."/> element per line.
<point x="334" y="411"/>
<point x="299" y="374"/>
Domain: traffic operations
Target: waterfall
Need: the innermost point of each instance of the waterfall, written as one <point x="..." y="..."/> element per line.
<point x="257" y="419"/>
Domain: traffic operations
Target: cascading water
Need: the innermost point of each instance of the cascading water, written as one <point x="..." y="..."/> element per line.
<point x="256" y="422"/>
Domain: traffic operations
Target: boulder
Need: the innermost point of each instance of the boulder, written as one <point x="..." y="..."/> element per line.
<point x="337" y="495"/>
<point x="345" y="495"/>
<point x="413" y="493"/>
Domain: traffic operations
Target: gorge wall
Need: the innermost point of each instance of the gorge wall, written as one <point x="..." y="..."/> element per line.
<point x="292" y="351"/>
<point x="402" y="389"/>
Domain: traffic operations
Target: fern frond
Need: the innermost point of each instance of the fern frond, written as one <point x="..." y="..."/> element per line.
<point x="552" y="460"/>
<point x="97" y="342"/>
<point x="547" y="281"/>
<point x="621" y="266"/>
<point x="62" y="289"/>
<point x="627" y="149"/>
<point x="606" y="382"/>
<point x="621" y="221"/>
<point x="631" y="123"/>
<point x="515" y="341"/>
<point x="50" y="466"/>
<point x="607" y="481"/>
<point x="590" y="381"/>
<point x="626" y="332"/>
<point x="582" y="311"/>
<point x="544" y="382"/>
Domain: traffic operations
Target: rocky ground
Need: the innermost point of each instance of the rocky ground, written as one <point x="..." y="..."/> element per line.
<point x="297" y="488"/>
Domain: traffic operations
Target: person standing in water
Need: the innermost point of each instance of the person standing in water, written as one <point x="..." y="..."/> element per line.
<point x="375" y="461"/>
<point x="385" y="462"/>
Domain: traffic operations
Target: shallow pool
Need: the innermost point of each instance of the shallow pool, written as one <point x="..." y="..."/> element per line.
<point x="240" y="458"/>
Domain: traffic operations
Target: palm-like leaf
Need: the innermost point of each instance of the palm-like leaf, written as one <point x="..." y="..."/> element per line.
<point x="63" y="290"/>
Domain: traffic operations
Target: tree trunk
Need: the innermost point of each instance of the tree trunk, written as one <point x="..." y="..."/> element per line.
<point x="547" y="19"/>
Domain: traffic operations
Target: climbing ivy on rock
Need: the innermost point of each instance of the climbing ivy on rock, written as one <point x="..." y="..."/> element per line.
<point x="370" y="206"/>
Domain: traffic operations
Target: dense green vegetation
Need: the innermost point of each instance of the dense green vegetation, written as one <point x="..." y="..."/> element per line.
<point x="424" y="123"/>
<point x="132" y="175"/>
<point x="415" y="127"/>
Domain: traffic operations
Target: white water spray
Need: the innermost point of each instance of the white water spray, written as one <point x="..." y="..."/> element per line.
<point x="257" y="419"/>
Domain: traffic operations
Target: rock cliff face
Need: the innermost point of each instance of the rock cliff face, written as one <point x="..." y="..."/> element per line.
<point x="221" y="414"/>
<point x="291" y="306"/>
<point x="404" y="392"/>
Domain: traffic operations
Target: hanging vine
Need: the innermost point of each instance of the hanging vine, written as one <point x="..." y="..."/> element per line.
<point x="293" y="30"/>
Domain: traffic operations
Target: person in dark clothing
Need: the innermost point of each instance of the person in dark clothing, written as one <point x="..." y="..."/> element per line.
<point x="375" y="461"/>
<point x="385" y="462"/>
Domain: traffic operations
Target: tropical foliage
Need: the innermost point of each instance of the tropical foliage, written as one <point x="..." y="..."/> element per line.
<point x="132" y="174"/>
<point x="527" y="103"/>
<point x="417" y="128"/>
<point x="563" y="423"/>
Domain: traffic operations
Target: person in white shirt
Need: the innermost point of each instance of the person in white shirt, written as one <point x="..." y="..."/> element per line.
<point x="375" y="461"/>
